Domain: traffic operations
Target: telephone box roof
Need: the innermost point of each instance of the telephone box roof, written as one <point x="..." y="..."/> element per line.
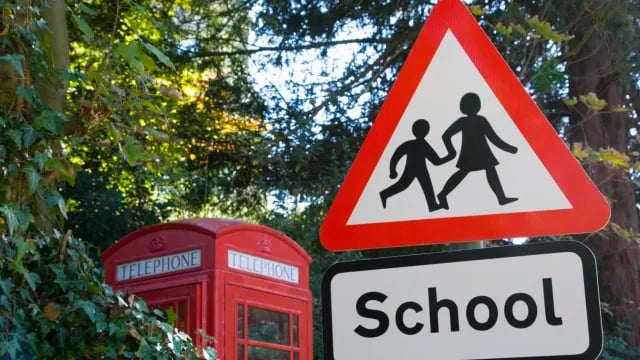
<point x="214" y="227"/>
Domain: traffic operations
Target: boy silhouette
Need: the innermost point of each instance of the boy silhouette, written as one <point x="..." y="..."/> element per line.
<point x="475" y="153"/>
<point x="416" y="151"/>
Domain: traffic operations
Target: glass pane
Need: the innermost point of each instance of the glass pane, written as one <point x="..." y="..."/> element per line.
<point x="296" y="356"/>
<point x="240" y="321"/>
<point x="181" y="316"/>
<point x="240" y="352"/>
<point x="262" y="353"/>
<point x="295" y="331"/>
<point x="268" y="326"/>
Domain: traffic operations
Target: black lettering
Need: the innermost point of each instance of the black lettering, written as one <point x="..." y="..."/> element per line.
<point x="124" y="272"/>
<point x="156" y="265"/>
<point x="435" y="306"/>
<point x="361" y="308"/>
<point x="174" y="265"/>
<point x="234" y="255"/>
<point x="139" y="269"/>
<point x="400" y="318"/>
<point x="132" y="274"/>
<point x="147" y="267"/>
<point x="471" y="313"/>
<point x="185" y="260"/>
<point x="532" y="310"/>
<point x="286" y="272"/>
<point x="549" y="308"/>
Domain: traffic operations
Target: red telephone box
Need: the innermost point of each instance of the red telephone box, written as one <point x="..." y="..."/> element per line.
<point x="246" y="285"/>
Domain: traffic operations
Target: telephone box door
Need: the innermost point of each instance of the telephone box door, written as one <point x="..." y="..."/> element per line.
<point x="265" y="326"/>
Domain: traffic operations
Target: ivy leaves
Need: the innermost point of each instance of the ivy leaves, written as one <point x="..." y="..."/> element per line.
<point x="50" y="290"/>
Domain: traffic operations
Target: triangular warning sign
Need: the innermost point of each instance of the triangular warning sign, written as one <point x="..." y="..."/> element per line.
<point x="459" y="152"/>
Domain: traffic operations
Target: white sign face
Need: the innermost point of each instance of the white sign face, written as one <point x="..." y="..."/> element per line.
<point x="265" y="267"/>
<point x="529" y="301"/>
<point x="452" y="74"/>
<point x="159" y="265"/>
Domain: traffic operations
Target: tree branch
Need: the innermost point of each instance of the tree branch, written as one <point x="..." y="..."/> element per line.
<point x="292" y="48"/>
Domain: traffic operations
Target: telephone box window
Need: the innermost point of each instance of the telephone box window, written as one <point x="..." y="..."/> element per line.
<point x="269" y="335"/>
<point x="240" y="321"/>
<point x="263" y="353"/>
<point x="295" y="331"/>
<point x="181" y="312"/>
<point x="268" y="326"/>
<point x="240" y="352"/>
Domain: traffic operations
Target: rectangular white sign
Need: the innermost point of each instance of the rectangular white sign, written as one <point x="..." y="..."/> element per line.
<point x="529" y="301"/>
<point x="264" y="267"/>
<point x="159" y="265"/>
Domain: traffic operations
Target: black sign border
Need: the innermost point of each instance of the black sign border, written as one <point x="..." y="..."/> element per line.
<point x="589" y="268"/>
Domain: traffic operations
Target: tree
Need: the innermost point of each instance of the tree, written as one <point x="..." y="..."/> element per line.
<point x="53" y="302"/>
<point x="190" y="133"/>
<point x="577" y="58"/>
<point x="602" y="60"/>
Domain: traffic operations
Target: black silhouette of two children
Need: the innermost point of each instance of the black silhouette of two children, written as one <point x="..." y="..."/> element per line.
<point x="475" y="155"/>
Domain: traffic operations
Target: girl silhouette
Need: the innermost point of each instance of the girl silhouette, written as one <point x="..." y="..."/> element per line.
<point x="475" y="153"/>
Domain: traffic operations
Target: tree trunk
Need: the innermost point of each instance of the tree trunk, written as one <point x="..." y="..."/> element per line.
<point x="53" y="92"/>
<point x="593" y="68"/>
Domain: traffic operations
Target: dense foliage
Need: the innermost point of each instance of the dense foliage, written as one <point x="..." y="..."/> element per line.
<point x="53" y="302"/>
<point x="54" y="305"/>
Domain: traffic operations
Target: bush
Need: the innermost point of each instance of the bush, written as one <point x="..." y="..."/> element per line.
<point x="54" y="305"/>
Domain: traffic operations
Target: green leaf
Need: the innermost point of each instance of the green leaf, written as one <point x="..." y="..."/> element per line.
<point x="614" y="157"/>
<point x="6" y="285"/>
<point x="544" y="29"/>
<point x="16" y="136"/>
<point x="142" y="306"/>
<point x="159" y="55"/>
<point x="157" y="135"/>
<point x="10" y="347"/>
<point x="29" y="135"/>
<point x="593" y="102"/>
<point x="147" y="61"/>
<point x="209" y="353"/>
<point x="28" y="94"/>
<point x="15" y="219"/>
<point x="87" y="10"/>
<point x="87" y="34"/>
<point x="33" y="178"/>
<point x="477" y="10"/>
<point x="171" y="316"/>
<point x="50" y="120"/>
<point x="131" y="53"/>
<point x="15" y="60"/>
<point x="55" y="199"/>
<point x="32" y="278"/>
<point x="504" y="30"/>
<point x="59" y="166"/>
<point x="88" y="307"/>
<point x="132" y="153"/>
<point x="22" y="245"/>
